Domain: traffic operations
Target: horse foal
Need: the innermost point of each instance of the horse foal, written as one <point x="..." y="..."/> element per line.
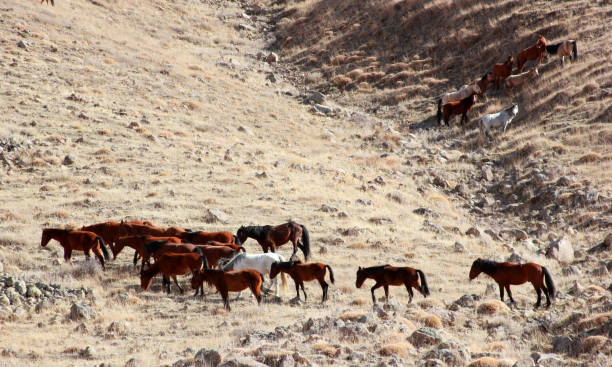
<point x="386" y="275"/>
<point x="520" y="79"/>
<point x="304" y="272"/>
<point x="228" y="281"/>
<point x="170" y="265"/>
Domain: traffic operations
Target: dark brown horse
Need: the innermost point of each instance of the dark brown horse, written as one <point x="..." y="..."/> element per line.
<point x="212" y="253"/>
<point x="271" y="237"/>
<point x="301" y="273"/>
<point x="199" y="237"/>
<point x="76" y="240"/>
<point x="506" y="274"/>
<point x="458" y="108"/>
<point x="228" y="281"/>
<point x="386" y="275"/>
<point x="502" y="70"/>
<point x="138" y="243"/>
<point x="171" y="265"/>
<point x="535" y="52"/>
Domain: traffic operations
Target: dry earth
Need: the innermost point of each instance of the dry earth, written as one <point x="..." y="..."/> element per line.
<point x="162" y="110"/>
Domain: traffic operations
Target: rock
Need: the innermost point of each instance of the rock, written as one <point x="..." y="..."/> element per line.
<point x="350" y="232"/>
<point x="272" y="77"/>
<point x="426" y="212"/>
<point x="561" y="250"/>
<point x="275" y="360"/>
<point x="425" y="336"/>
<point x="33" y="292"/>
<point x="210" y="357"/>
<point x="23" y="44"/>
<point x="515" y="258"/>
<point x="600" y="271"/>
<point x="20" y="287"/>
<point x="487" y="174"/>
<point x="467" y="300"/>
<point x="242" y="362"/>
<point x="323" y="108"/>
<point x="493" y="235"/>
<point x="452" y="353"/>
<point x="68" y="160"/>
<point x="215" y="215"/>
<point x="245" y="130"/>
<point x="117" y="327"/>
<point x="13" y="296"/>
<point x="608" y="241"/>
<point x="432" y="227"/>
<point x="433" y="363"/>
<point x="87" y="353"/>
<point x="328" y="209"/>
<point x="459" y="247"/>
<point x="380" y="220"/>
<point x="547" y="359"/>
<point x="4" y="300"/>
<point x="316" y="97"/>
<point x="80" y="311"/>
<point x="525" y="362"/>
<point x="398" y="198"/>
<point x="473" y="231"/>
<point x="272" y="57"/>
<point x="565" y="344"/>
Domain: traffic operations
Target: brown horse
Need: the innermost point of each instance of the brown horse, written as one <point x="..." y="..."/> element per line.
<point x="199" y="237"/>
<point x="506" y="274"/>
<point x="233" y="246"/>
<point x="502" y="70"/>
<point x="212" y="253"/>
<point x="301" y="273"/>
<point x="171" y="265"/>
<point x="76" y="240"/>
<point x="228" y="281"/>
<point x="563" y="49"/>
<point x="109" y="231"/>
<point x="531" y="53"/>
<point x="386" y="275"/>
<point x="271" y="237"/>
<point x="458" y="108"/>
<point x="138" y="243"/>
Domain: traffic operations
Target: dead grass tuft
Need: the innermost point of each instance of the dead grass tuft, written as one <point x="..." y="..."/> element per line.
<point x="592" y="343"/>
<point x="492" y="308"/>
<point x="398" y="349"/>
<point x="589" y="158"/>
<point x="594" y="321"/>
<point x="327" y="349"/>
<point x="485" y="362"/>
<point x="352" y="315"/>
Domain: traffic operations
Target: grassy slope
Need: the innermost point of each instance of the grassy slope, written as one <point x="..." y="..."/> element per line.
<point x="160" y="90"/>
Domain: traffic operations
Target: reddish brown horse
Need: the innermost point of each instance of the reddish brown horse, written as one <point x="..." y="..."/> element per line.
<point x="109" y="231"/>
<point x="171" y="265"/>
<point x="200" y="237"/>
<point x="458" y="108"/>
<point x="301" y="273"/>
<point x="502" y="70"/>
<point x="138" y="243"/>
<point x="386" y="275"/>
<point x="228" y="281"/>
<point x="506" y="274"/>
<point x="212" y="253"/>
<point x="271" y="237"/>
<point x="531" y="53"/>
<point x="76" y="240"/>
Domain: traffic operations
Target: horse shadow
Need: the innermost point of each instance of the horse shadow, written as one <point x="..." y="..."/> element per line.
<point x="430" y="122"/>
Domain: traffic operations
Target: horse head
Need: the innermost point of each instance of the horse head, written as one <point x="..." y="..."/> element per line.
<point x="510" y="61"/>
<point x="274" y="269"/>
<point x="361" y="277"/>
<point x="475" y="270"/>
<point x="242" y="234"/>
<point x="46" y="237"/>
<point x="541" y="41"/>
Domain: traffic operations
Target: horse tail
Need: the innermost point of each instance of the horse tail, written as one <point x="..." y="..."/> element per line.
<point x="203" y="260"/>
<point x="424" y="287"/>
<point x="439" y="114"/>
<point x="574" y="43"/>
<point x="103" y="248"/>
<point x="237" y="241"/>
<point x="331" y="273"/>
<point x="549" y="283"/>
<point x="283" y="280"/>
<point x="305" y="242"/>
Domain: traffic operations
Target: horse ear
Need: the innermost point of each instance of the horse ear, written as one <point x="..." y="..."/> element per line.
<point x="359" y="268"/>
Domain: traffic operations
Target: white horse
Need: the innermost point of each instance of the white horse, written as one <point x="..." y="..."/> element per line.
<point x="259" y="262"/>
<point x="499" y="119"/>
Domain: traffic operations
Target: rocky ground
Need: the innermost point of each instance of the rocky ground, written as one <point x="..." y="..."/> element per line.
<point x="179" y="113"/>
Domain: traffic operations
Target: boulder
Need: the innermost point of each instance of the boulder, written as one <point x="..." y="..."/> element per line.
<point x="561" y="250"/>
<point x="452" y="353"/>
<point x="215" y="215"/>
<point x="425" y="336"/>
<point x="242" y="362"/>
<point x="80" y="311"/>
<point x="210" y="357"/>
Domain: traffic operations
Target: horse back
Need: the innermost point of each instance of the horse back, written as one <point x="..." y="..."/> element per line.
<point x="178" y="263"/>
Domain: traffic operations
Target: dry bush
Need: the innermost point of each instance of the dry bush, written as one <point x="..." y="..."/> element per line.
<point x="592" y="343"/>
<point x="364" y="87"/>
<point x="588" y="158"/>
<point x="352" y="315"/>
<point x="326" y="348"/>
<point x="492" y="308"/>
<point x="341" y="81"/>
<point x="354" y="74"/>
<point x="429" y="303"/>
<point x="484" y="362"/>
<point x="337" y="60"/>
<point x="370" y="76"/>
<point x="594" y="321"/>
<point x="399" y="349"/>
<point x="358" y="245"/>
<point x="430" y="320"/>
<point x="397" y="67"/>
<point x="88" y="269"/>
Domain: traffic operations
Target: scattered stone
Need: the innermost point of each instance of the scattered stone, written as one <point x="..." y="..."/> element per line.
<point x="432" y="227"/>
<point x="515" y="258"/>
<point x="473" y="232"/>
<point x="328" y="209"/>
<point x="87" y="353"/>
<point x="23" y="44"/>
<point x="210" y="357"/>
<point x="272" y="57"/>
<point x="426" y="212"/>
<point x="380" y="220"/>
<point x="459" y="247"/>
<point x="452" y="353"/>
<point x="350" y="232"/>
<point x="323" y="109"/>
<point x="493" y="235"/>
<point x="316" y="97"/>
<point x="80" y="311"/>
<point x="425" y="336"/>
<point x="561" y="250"/>
<point x="547" y="359"/>
<point x="245" y="130"/>
<point x="68" y="160"/>
<point x="242" y="362"/>
<point x="214" y="215"/>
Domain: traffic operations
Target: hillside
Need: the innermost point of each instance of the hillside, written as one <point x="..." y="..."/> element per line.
<point x="162" y="111"/>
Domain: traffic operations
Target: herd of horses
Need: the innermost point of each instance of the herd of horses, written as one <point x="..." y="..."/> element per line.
<point x="460" y="102"/>
<point x="220" y="260"/>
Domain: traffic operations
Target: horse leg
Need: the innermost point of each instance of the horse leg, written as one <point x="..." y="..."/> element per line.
<point x="136" y="259"/>
<point x="324" y="287"/>
<point x="297" y="289"/>
<point x="68" y="254"/>
<point x="539" y="293"/>
<point x="410" y="293"/>
<point x="509" y="293"/>
<point x="304" y="291"/>
<point x="501" y="292"/>
<point x="98" y="253"/>
<point x="166" y="282"/>
<point x="386" y="287"/>
<point x="176" y="282"/>
<point x="377" y="285"/>
<point x="547" y="293"/>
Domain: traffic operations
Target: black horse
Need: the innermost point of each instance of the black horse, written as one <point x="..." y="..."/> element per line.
<point x="271" y="237"/>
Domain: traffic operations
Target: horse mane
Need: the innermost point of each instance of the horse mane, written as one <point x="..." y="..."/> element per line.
<point x="288" y="264"/>
<point x="229" y="264"/>
<point x="484" y="77"/>
<point x="256" y="232"/>
<point x="488" y="266"/>
<point x="552" y="49"/>
<point x="373" y="269"/>
<point x="155" y="245"/>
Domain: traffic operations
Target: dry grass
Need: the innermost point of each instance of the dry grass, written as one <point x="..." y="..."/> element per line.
<point x="492" y="308"/>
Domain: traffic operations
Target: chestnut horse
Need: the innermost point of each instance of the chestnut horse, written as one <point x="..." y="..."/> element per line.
<point x="227" y="281"/>
<point x="271" y="237"/>
<point x="531" y="53"/>
<point x="212" y="253"/>
<point x="564" y="48"/>
<point x="506" y="274"/>
<point x="199" y="237"/>
<point x="386" y="275"/>
<point x="76" y="240"/>
<point x="171" y="265"/>
<point x="304" y="272"/>
<point x="138" y="243"/>
<point x="502" y="70"/>
<point x="458" y="108"/>
<point x="479" y="87"/>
